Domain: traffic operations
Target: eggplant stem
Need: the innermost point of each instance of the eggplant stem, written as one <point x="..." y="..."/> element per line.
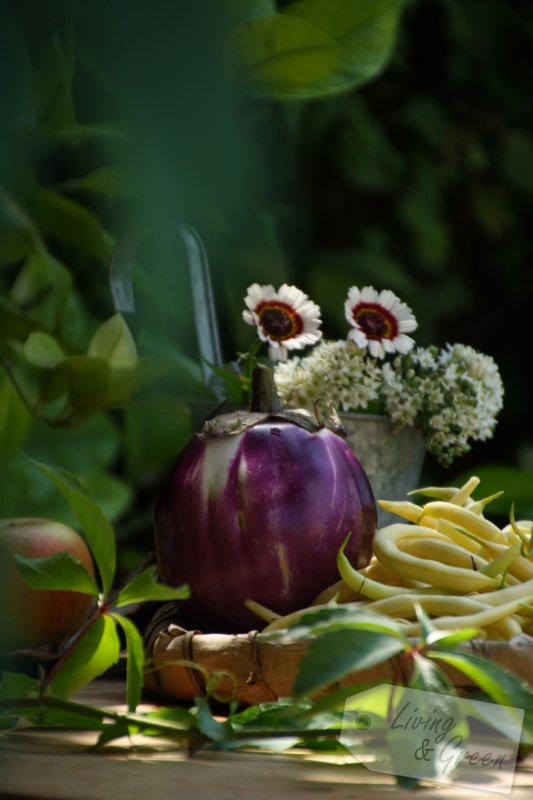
<point x="265" y="397"/>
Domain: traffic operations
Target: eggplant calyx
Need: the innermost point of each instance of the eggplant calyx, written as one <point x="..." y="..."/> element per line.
<point x="266" y="406"/>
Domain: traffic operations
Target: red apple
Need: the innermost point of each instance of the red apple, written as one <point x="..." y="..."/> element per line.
<point x="32" y="617"/>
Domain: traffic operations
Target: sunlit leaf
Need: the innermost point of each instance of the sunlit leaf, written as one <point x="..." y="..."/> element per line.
<point x="344" y="615"/>
<point x="337" y="654"/>
<point x="364" y="32"/>
<point x="144" y="587"/>
<point x="429" y="677"/>
<point x="42" y="350"/>
<point x="135" y="660"/>
<point x="114" y="343"/>
<point x="445" y="639"/>
<point x="281" y="54"/>
<point x="500" y="684"/>
<point x="96" y="652"/>
<point x="208" y="725"/>
<point x="62" y="571"/>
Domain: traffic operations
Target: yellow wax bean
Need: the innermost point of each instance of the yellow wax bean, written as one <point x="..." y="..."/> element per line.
<point x="461" y="495"/>
<point x="440" y="576"/>
<point x="464" y="518"/>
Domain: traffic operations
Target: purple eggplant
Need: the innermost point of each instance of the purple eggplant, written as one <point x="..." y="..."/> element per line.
<point x="257" y="506"/>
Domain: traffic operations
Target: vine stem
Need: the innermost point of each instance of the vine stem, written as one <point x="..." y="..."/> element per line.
<point x="162" y="726"/>
<point x="32" y="408"/>
<point x="91" y="712"/>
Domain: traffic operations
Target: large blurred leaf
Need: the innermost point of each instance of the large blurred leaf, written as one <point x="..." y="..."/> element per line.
<point x="110" y="181"/>
<point x="114" y="343"/>
<point x="55" y="107"/>
<point x="333" y="656"/>
<point x="317" y="47"/>
<point x="85" y="449"/>
<point x="74" y="226"/>
<point x="365" y="32"/>
<point x="282" y="55"/>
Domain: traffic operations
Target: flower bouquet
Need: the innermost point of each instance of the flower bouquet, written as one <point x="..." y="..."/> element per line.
<point x="452" y="395"/>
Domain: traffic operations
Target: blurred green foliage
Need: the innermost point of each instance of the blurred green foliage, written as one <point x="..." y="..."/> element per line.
<point x="318" y="142"/>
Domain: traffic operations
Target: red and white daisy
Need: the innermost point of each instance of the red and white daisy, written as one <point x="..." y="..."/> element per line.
<point x="286" y="319"/>
<point x="380" y="321"/>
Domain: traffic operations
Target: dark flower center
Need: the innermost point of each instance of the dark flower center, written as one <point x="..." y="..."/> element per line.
<point x="375" y="321"/>
<point x="278" y="321"/>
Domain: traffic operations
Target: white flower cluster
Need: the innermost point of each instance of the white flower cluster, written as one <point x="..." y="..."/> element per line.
<point x="452" y="395"/>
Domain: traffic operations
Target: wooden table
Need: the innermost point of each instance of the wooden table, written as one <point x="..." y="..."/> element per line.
<point x="55" y="764"/>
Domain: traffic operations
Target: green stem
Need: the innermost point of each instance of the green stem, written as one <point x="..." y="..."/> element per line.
<point x="17" y="387"/>
<point x="91" y="712"/>
<point x="33" y="408"/>
<point x="265" y="396"/>
<point x="162" y="726"/>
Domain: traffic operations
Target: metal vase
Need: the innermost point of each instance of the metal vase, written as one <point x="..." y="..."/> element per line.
<point x="392" y="457"/>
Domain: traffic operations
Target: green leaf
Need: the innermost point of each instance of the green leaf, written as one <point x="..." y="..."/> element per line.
<point x="337" y="654"/>
<point x="426" y="625"/>
<point x="114" y="343"/>
<point x="175" y="715"/>
<point x="110" y="181"/>
<point x="502" y="686"/>
<point x="52" y="87"/>
<point x="96" y="527"/>
<point x="364" y="32"/>
<point x="444" y="639"/>
<point x="13" y="324"/>
<point x="42" y="350"/>
<point x="343" y="616"/>
<point x="72" y="225"/>
<point x="208" y="725"/>
<point x="15" y="419"/>
<point x="94" y="654"/>
<point x="42" y="285"/>
<point x="315" y="48"/>
<point x="87" y="448"/>
<point x="135" y="660"/>
<point x="62" y="571"/>
<point x="88" y="382"/>
<point x="14" y="686"/>
<point x="281" y="55"/>
<point x="429" y="677"/>
<point x="144" y="587"/>
<point x="113" y="495"/>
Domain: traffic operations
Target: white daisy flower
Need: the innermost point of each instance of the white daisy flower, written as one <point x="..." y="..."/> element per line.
<point x="380" y="321"/>
<point x="286" y="319"/>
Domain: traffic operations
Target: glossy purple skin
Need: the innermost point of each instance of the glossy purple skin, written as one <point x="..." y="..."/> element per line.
<point x="270" y="530"/>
